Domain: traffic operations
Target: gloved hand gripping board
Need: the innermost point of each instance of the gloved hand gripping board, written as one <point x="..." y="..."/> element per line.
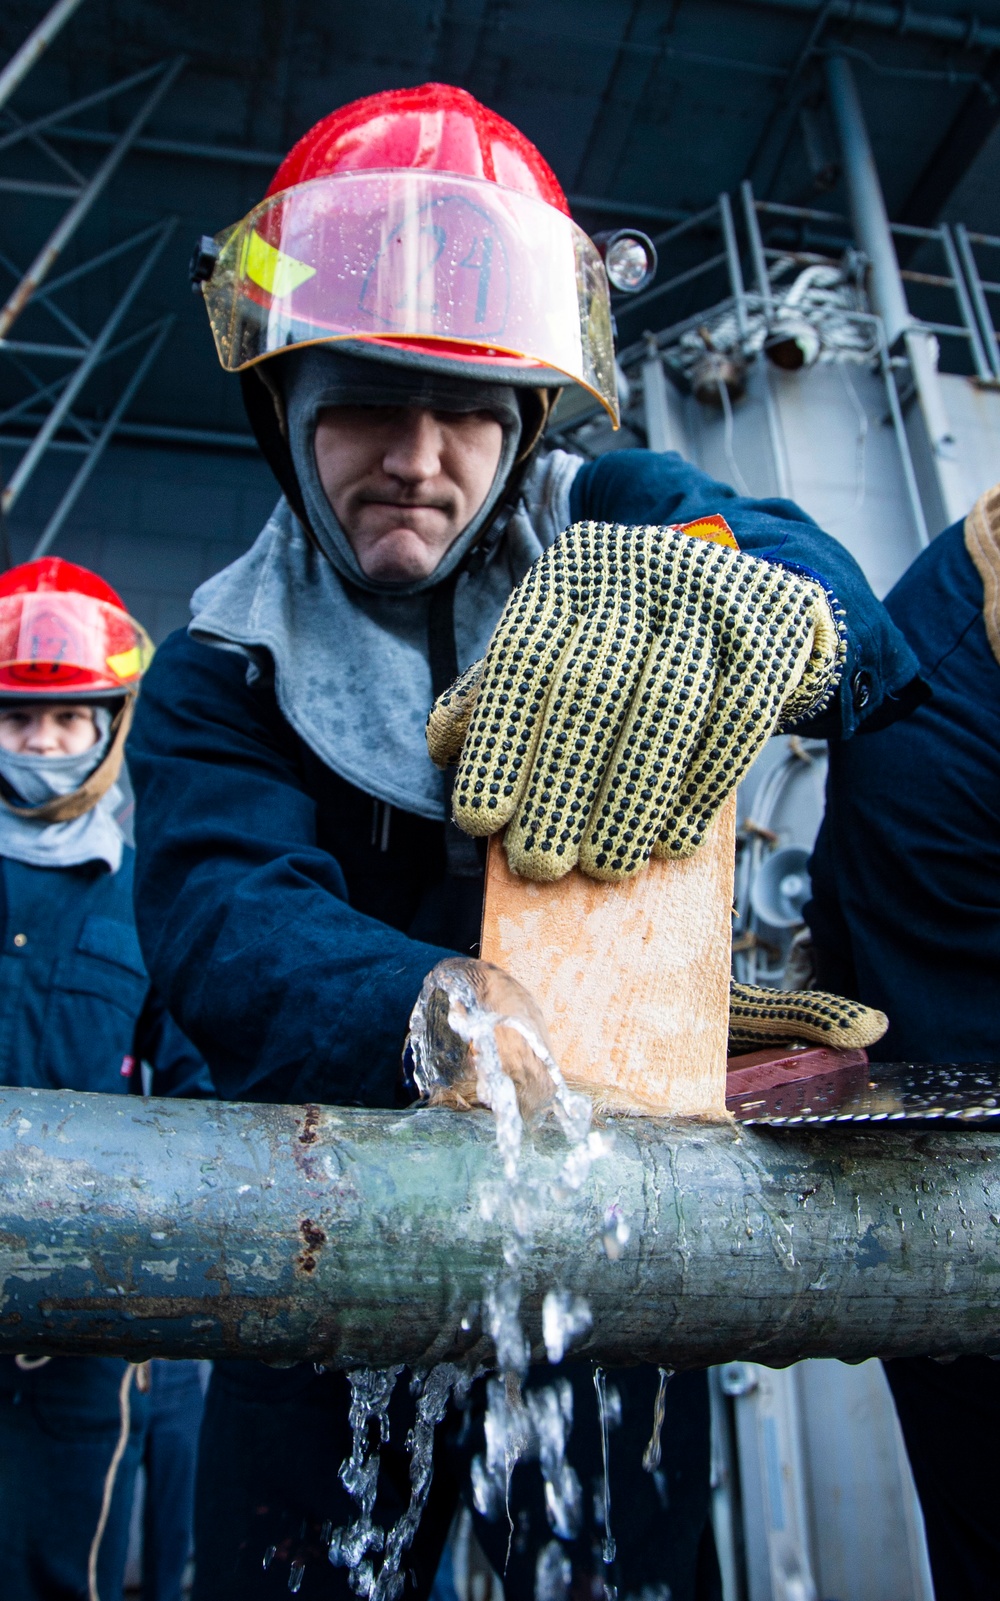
<point x="633" y="678"/>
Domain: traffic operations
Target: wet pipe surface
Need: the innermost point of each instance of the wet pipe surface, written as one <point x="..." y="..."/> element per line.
<point x="358" y="1238"/>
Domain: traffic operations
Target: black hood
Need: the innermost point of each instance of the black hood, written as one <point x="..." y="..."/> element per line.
<point x="265" y="408"/>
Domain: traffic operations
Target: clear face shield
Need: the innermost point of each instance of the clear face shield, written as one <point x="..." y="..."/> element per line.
<point x="450" y="264"/>
<point x="55" y="643"/>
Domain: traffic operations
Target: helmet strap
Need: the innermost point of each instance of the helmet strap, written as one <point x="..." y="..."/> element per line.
<point x="280" y="411"/>
<point x="64" y="808"/>
<point x="536" y="408"/>
<point x="265" y="409"/>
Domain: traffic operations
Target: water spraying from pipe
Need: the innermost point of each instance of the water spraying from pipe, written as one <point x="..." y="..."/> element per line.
<point x="455" y="1037"/>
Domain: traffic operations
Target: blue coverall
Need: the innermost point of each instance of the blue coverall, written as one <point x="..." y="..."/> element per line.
<point x="76" y="1012"/>
<point x="905" y="916"/>
<point x="290" y="934"/>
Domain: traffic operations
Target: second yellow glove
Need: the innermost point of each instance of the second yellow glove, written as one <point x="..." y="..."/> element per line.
<point x="761" y="1017"/>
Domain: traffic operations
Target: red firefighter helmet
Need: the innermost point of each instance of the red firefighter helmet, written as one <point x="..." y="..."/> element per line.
<point x="417" y="224"/>
<point x="65" y="634"/>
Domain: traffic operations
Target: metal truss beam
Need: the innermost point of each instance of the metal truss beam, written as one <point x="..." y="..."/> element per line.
<point x="149" y="434"/>
<point x="29" y="130"/>
<point x="87" y="353"/>
<point x="22" y="61"/>
<point x="65" y="229"/>
<point x="28" y="347"/>
<point x="53" y="287"/>
<point x="904" y="21"/>
<point x="34" y="186"/>
<point x="86" y="426"/>
<point x="48" y="150"/>
<point x="44" y="298"/>
<point x="96" y="352"/>
<point x="55" y="523"/>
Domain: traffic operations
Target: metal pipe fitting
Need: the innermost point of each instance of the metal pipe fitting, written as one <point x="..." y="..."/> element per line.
<point x="291" y="1233"/>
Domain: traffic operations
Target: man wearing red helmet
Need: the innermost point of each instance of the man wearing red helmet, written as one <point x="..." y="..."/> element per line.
<point x="76" y="1012"/>
<point x="402" y="309"/>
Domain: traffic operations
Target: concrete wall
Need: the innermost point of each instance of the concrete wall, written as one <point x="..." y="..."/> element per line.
<point x="154" y="523"/>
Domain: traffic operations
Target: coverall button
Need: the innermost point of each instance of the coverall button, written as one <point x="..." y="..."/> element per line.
<point x="861" y="689"/>
<point x="20" y="939"/>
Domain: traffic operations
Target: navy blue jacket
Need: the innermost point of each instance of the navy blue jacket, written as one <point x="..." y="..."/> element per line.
<point x="288" y="944"/>
<point x="906" y="872"/>
<point x="75" y="1000"/>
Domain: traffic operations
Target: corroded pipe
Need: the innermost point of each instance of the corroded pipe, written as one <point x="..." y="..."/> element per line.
<point x="348" y="1237"/>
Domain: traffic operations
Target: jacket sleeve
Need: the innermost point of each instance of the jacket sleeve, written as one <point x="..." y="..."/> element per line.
<point x="244" y="922"/>
<point x="880" y="681"/>
<point x="178" y="1069"/>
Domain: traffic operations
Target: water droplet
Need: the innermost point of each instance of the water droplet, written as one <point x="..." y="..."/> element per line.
<point x="564" y="1317"/>
<point x="553" y="1573"/>
<point x="550" y="1411"/>
<point x="616" y="1233"/>
<point x="652" y="1454"/>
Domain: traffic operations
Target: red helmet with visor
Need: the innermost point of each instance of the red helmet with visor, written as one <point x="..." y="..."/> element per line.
<point x="418" y="221"/>
<point x="65" y="634"/>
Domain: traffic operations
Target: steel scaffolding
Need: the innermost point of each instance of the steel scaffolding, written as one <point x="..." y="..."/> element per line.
<point x="735" y="283"/>
<point x="43" y="418"/>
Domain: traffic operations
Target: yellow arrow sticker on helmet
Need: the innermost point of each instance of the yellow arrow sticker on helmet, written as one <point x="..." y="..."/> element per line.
<point x="127" y="664"/>
<point x="271" y="270"/>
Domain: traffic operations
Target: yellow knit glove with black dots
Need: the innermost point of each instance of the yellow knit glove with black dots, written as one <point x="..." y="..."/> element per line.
<point x="633" y="678"/>
<point x="760" y="1017"/>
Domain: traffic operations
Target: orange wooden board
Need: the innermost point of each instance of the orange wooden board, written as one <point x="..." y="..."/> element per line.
<point x="632" y="979"/>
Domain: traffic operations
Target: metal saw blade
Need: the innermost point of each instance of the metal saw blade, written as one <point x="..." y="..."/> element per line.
<point x="877" y="1092"/>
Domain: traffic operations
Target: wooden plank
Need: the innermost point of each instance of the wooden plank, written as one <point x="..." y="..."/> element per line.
<point x="632" y="979"/>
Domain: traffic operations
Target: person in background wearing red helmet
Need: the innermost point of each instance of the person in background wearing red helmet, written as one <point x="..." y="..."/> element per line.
<point x="76" y="1012"/>
<point x="402" y="309"/>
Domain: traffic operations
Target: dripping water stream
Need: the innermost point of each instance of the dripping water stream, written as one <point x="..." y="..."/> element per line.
<point x="652" y="1455"/>
<point x="608" y="1548"/>
<point x="518" y="1425"/>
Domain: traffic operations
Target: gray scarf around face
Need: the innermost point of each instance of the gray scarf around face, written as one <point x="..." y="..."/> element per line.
<point x="352" y="671"/>
<point x="35" y="779"/>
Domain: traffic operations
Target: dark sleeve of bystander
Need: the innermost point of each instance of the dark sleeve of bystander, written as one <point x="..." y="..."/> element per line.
<point x="905" y="913"/>
<point x="880" y="681"/>
<point x="178" y="1069"/>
